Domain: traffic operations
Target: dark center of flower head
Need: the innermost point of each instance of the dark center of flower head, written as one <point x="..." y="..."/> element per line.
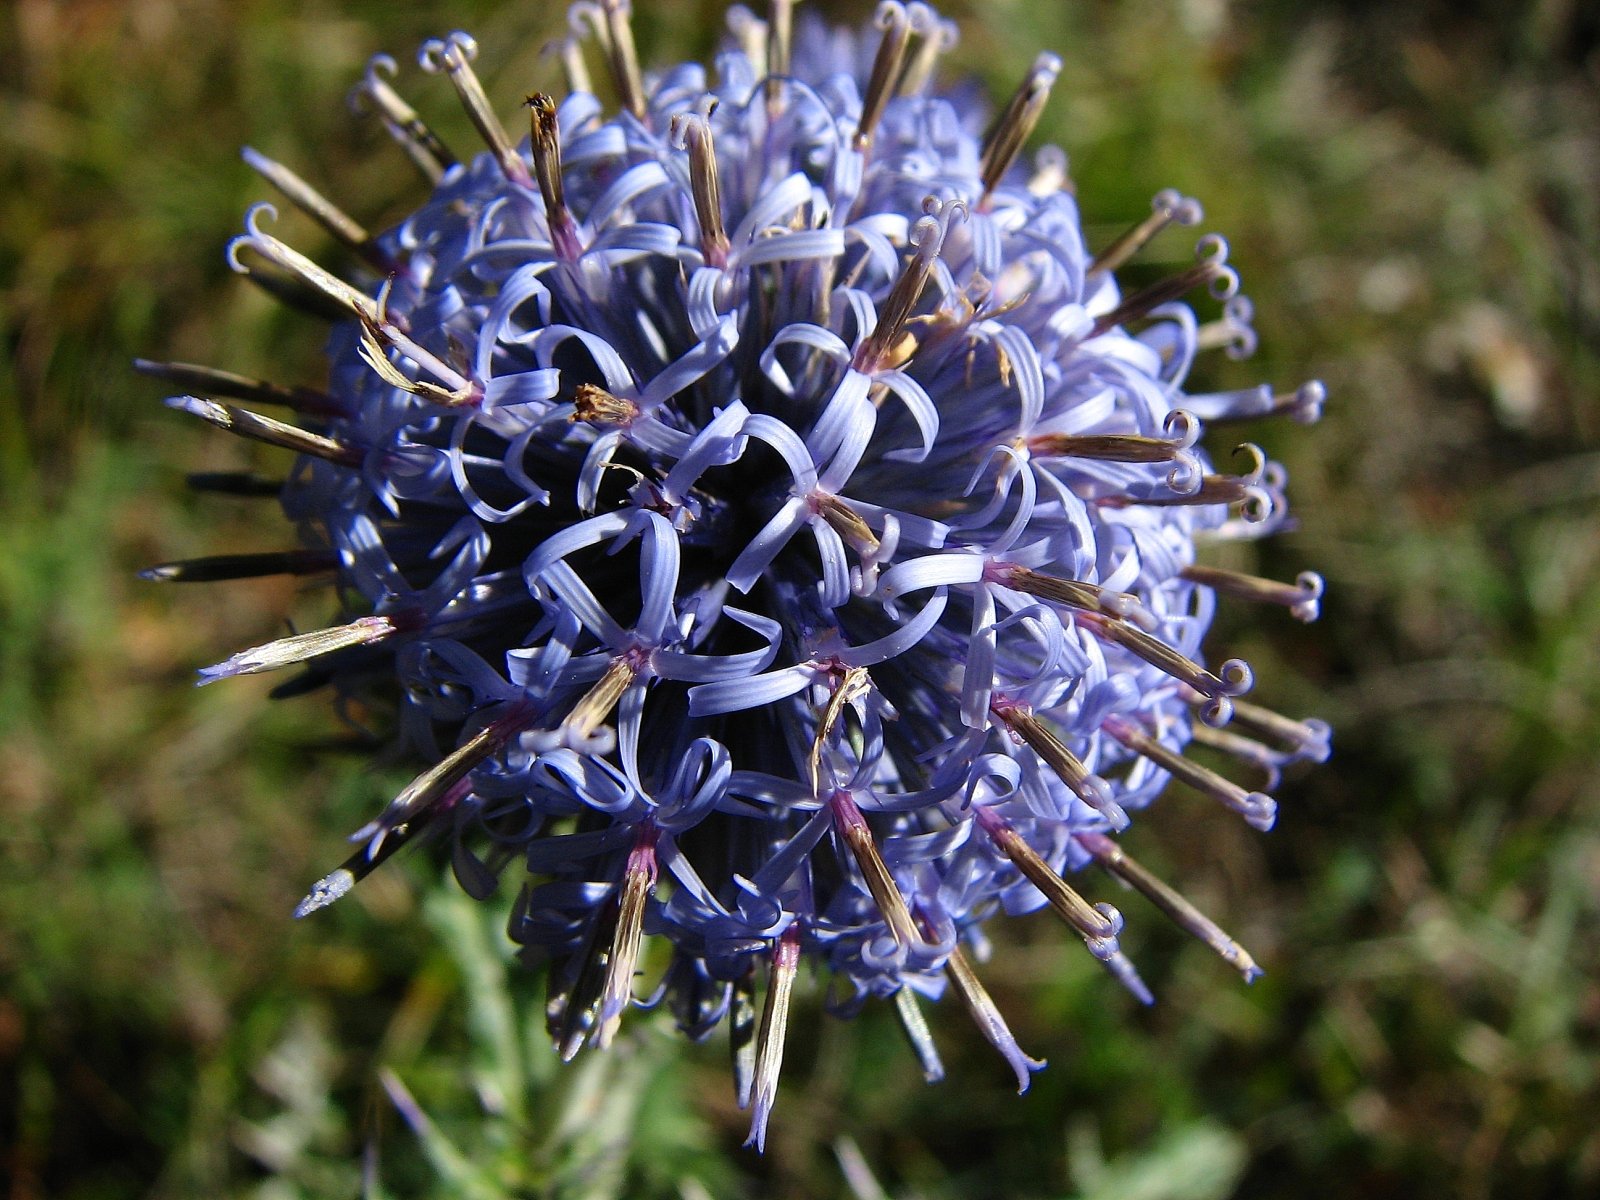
<point x="779" y="528"/>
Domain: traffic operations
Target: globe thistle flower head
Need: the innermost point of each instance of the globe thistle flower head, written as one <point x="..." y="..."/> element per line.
<point x="775" y="529"/>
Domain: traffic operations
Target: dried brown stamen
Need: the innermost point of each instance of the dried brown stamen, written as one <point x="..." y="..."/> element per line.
<point x="886" y="66"/>
<point x="1068" y="767"/>
<point x="847" y="523"/>
<point x="780" y="40"/>
<point x="1074" y="593"/>
<point x="1302" y="597"/>
<point x="1211" y="270"/>
<point x="599" y="407"/>
<point x="421" y="146"/>
<point x="1005" y="140"/>
<point x="213" y="382"/>
<point x="1097" y="924"/>
<point x="319" y="208"/>
<point x="545" y="142"/>
<point x="589" y="713"/>
<point x="240" y="566"/>
<point x="638" y="883"/>
<point x="986" y="1014"/>
<point x="937" y="35"/>
<point x="301" y="647"/>
<point x="1308" y="737"/>
<point x="692" y="132"/>
<point x="1182" y="913"/>
<point x="885" y="344"/>
<point x="879" y="879"/>
<point x="1168" y="208"/>
<point x="454" y="56"/>
<point x="428" y="788"/>
<point x="1257" y="808"/>
<point x="257" y="428"/>
<point x="774" y="1028"/>
<point x="614" y="31"/>
<point x="1234" y="678"/>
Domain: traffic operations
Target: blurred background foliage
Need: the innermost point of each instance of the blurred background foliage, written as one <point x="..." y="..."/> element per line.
<point x="1413" y="196"/>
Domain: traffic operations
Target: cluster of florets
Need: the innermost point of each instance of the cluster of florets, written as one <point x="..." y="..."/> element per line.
<point x="779" y="527"/>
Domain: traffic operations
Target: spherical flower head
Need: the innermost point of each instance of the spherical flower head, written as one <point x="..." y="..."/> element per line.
<point x="782" y="533"/>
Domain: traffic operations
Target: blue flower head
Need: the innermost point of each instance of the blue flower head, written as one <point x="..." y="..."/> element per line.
<point x="780" y="530"/>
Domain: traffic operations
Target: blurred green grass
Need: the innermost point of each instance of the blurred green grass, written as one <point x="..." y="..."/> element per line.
<point x="1413" y="196"/>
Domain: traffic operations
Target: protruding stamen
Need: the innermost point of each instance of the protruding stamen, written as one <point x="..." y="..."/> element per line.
<point x="300" y="647"/>
<point x="780" y="40"/>
<point x="337" y="883"/>
<point x="1069" y="768"/>
<point x="984" y="1011"/>
<point x="1211" y="269"/>
<point x="638" y="883"/>
<point x="254" y="426"/>
<point x="1302" y="597"/>
<point x="847" y="523"/>
<point x="918" y="1034"/>
<point x="569" y="1008"/>
<point x="212" y="382"/>
<point x="1073" y="593"/>
<point x="883" y="344"/>
<point x="886" y="65"/>
<point x="379" y="334"/>
<point x="774" y="1026"/>
<point x="284" y="257"/>
<point x="545" y="141"/>
<point x="240" y="566"/>
<point x="1182" y="914"/>
<point x="235" y="483"/>
<point x="1233" y="333"/>
<point x="319" y="208"/>
<point x="936" y="35"/>
<point x="1099" y="924"/>
<point x="1310" y="739"/>
<point x="622" y="55"/>
<point x="1004" y="142"/>
<point x="294" y="294"/>
<point x="1304" y="405"/>
<point x="742" y="1036"/>
<point x="750" y="32"/>
<point x="1182" y="431"/>
<point x="425" y="150"/>
<point x="1257" y="808"/>
<point x="599" y="407"/>
<point x="454" y="56"/>
<point x="1247" y="750"/>
<point x="1232" y="679"/>
<point x="1049" y="172"/>
<point x="589" y="713"/>
<point x="573" y="69"/>
<point x="880" y="882"/>
<point x="692" y="132"/>
<point x="857" y="682"/>
<point x="429" y="788"/>
<point x="1168" y="208"/>
<point x="1245" y="490"/>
